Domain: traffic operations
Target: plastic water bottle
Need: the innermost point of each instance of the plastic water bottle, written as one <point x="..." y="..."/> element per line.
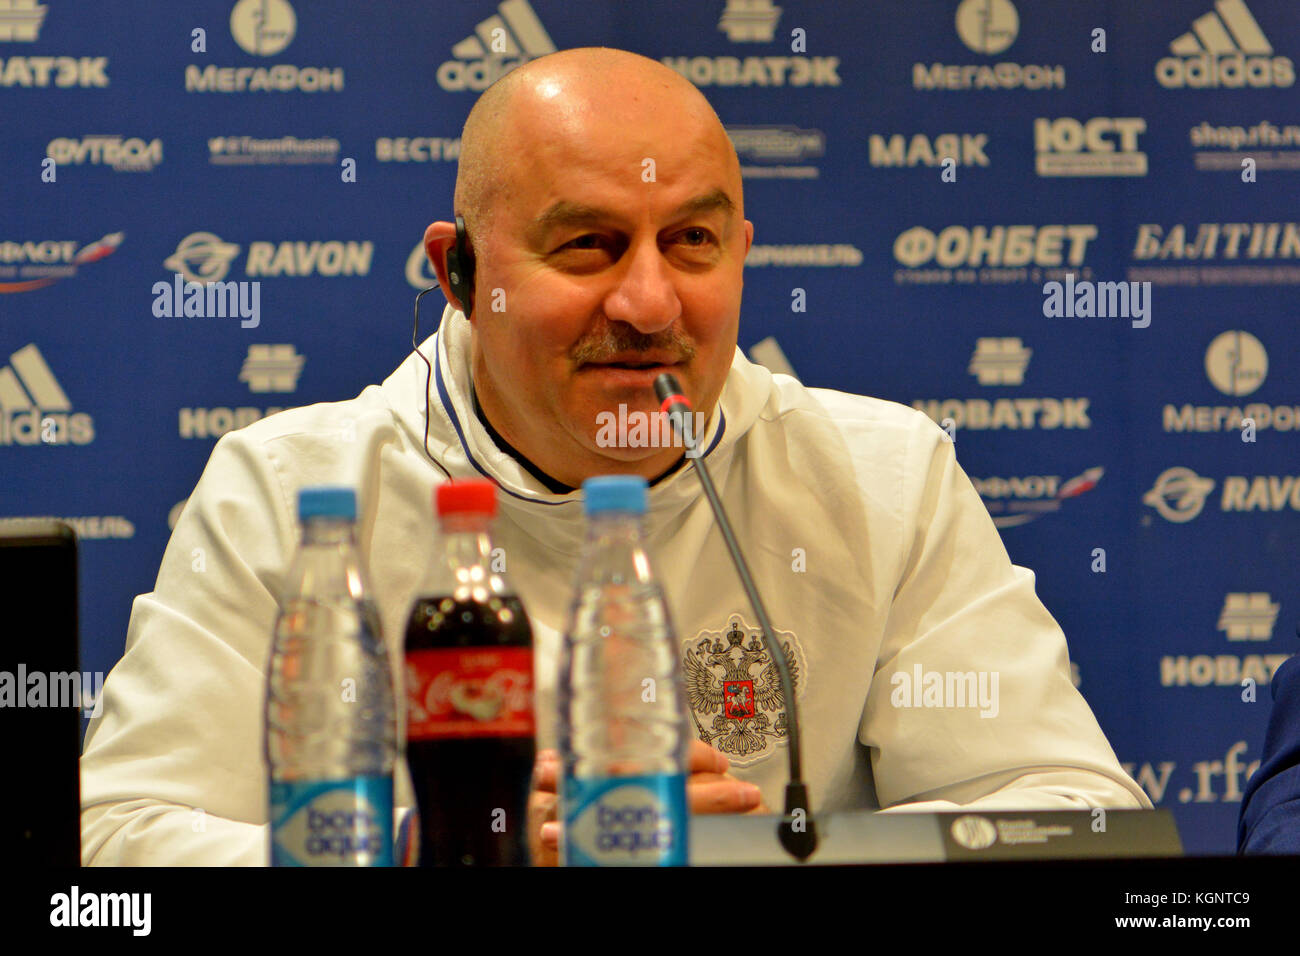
<point x="623" y="734"/>
<point x="330" y="722"/>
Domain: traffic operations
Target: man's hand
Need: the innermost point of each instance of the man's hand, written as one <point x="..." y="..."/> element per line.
<point x="709" y="789"/>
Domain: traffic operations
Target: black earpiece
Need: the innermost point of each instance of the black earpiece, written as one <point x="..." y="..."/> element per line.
<point x="460" y="268"/>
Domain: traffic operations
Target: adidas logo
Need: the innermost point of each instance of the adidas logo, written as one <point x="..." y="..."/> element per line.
<point x="1224" y="48"/>
<point x="20" y="20"/>
<point x="508" y="39"/>
<point x="33" y="407"/>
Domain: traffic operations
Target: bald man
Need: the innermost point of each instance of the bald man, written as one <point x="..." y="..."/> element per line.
<point x="597" y="238"/>
<point x="604" y="243"/>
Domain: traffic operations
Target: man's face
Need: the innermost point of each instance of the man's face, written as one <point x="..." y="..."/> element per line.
<point x="613" y="242"/>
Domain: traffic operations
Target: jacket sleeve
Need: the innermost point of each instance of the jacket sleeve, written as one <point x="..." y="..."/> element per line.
<point x="1269" y="821"/>
<point x="964" y="619"/>
<point x="172" y="772"/>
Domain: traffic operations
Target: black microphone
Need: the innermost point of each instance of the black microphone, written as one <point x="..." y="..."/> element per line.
<point x="797" y="832"/>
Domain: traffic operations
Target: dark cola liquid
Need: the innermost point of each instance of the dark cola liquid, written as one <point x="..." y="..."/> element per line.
<point x="463" y="782"/>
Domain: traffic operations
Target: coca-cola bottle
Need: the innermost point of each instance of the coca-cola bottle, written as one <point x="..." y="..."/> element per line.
<point x="469" y="693"/>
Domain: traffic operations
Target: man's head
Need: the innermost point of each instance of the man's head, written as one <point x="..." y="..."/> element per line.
<point x="603" y="203"/>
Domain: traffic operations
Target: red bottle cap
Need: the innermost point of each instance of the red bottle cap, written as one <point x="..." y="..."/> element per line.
<point x="470" y="496"/>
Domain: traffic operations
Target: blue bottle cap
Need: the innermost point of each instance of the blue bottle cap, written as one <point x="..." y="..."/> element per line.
<point x="327" y="502"/>
<point x="626" y="493"/>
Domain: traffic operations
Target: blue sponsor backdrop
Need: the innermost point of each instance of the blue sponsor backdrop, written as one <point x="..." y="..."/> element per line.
<point x="1165" y="151"/>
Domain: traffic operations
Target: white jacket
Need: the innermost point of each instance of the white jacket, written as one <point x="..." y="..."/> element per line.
<point x="872" y="550"/>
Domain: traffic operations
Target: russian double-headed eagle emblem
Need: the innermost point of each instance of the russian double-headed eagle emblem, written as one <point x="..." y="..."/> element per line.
<point x="734" y="690"/>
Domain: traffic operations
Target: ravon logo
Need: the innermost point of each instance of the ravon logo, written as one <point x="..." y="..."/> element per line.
<point x="202" y="257"/>
<point x="1179" y="494"/>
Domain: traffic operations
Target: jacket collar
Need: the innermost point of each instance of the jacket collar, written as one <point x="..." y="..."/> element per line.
<point x="459" y="441"/>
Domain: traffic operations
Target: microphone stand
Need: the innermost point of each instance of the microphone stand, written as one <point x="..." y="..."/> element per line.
<point x="796" y="831"/>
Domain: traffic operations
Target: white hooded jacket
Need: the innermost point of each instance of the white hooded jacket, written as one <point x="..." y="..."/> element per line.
<point x="877" y="560"/>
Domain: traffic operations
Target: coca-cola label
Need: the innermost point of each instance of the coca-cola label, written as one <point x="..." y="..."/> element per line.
<point x="469" y="692"/>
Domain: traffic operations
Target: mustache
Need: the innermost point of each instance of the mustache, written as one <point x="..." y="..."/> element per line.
<point x="619" y="338"/>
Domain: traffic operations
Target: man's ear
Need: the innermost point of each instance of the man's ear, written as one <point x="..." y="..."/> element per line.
<point x="749" y="235"/>
<point x="438" y="238"/>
